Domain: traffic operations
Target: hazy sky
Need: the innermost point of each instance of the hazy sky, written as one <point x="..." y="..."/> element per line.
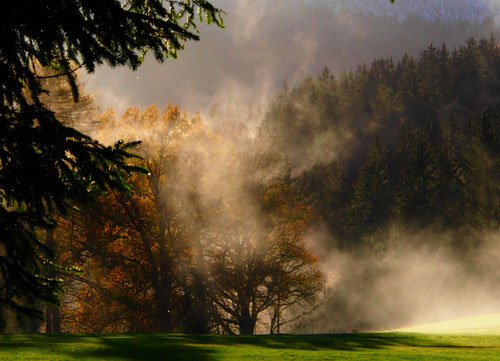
<point x="268" y="42"/>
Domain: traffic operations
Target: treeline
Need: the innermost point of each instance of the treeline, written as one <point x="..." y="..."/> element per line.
<point x="412" y="145"/>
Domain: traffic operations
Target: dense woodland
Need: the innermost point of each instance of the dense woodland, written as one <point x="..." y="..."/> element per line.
<point x="414" y="142"/>
<point x="211" y="236"/>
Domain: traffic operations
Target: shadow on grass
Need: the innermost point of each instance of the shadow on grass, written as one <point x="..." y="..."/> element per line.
<point x="340" y="342"/>
<point x="131" y="347"/>
<point x="152" y="347"/>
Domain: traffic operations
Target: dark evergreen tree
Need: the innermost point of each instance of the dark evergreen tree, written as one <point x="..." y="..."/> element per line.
<point x="371" y="202"/>
<point x="44" y="163"/>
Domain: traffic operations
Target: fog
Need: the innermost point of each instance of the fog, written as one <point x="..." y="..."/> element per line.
<point x="412" y="282"/>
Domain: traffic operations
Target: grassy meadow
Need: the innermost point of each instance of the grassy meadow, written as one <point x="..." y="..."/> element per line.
<point x="370" y="346"/>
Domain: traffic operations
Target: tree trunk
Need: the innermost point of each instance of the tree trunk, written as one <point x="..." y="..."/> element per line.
<point x="52" y="315"/>
<point x="164" y="312"/>
<point x="164" y="320"/>
<point x="48" y="320"/>
<point x="246" y="323"/>
<point x="31" y="325"/>
<point x="201" y="319"/>
<point x="52" y="320"/>
<point x="56" y="320"/>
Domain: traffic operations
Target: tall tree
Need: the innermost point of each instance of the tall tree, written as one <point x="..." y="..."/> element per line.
<point x="259" y="258"/>
<point x="141" y="240"/>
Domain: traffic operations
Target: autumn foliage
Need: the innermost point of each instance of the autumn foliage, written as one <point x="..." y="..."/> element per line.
<point x="205" y="241"/>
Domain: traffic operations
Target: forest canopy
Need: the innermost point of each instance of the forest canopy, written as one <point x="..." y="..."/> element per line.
<point x="414" y="141"/>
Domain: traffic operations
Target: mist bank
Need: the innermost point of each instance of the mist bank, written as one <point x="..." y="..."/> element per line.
<point x="267" y="43"/>
<point x="420" y="279"/>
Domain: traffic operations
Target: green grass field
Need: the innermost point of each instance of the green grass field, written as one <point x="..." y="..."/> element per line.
<point x="468" y="344"/>
<point x="376" y="346"/>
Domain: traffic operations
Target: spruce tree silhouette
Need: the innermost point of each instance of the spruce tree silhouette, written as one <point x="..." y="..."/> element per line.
<point x="45" y="164"/>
